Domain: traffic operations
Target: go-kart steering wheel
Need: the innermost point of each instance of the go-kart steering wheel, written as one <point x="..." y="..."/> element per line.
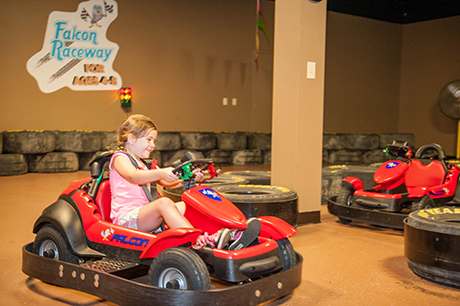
<point x="431" y="146"/>
<point x="185" y="169"/>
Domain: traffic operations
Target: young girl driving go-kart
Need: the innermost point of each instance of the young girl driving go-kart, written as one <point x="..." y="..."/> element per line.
<point x="133" y="207"/>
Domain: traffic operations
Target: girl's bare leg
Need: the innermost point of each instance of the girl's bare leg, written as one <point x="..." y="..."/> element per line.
<point x="164" y="209"/>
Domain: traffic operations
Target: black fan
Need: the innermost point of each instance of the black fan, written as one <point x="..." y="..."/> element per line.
<point x="449" y="103"/>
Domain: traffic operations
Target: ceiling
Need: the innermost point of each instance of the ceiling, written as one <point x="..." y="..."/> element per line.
<point x="397" y="11"/>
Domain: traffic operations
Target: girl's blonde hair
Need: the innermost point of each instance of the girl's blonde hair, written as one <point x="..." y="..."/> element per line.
<point x="136" y="125"/>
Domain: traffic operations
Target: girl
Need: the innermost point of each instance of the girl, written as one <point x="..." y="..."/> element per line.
<point x="130" y="205"/>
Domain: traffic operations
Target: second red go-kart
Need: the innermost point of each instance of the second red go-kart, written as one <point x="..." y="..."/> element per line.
<point x="405" y="183"/>
<point x="77" y="246"/>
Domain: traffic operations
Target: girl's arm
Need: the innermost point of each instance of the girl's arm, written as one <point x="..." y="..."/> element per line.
<point x="127" y="171"/>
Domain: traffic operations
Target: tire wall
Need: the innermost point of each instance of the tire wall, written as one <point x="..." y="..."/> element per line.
<point x="23" y="151"/>
<point x="359" y="148"/>
<point x="225" y="148"/>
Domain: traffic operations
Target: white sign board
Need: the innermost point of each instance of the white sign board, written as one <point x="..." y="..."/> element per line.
<point x="76" y="52"/>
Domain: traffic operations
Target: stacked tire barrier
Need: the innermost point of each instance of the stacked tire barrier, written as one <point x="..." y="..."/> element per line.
<point x="354" y="149"/>
<point x="23" y="151"/>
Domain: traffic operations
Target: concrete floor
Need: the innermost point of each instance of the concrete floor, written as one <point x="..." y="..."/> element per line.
<point x="352" y="264"/>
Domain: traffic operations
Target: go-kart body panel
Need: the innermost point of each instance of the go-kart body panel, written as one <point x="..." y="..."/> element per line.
<point x="391" y="174"/>
<point x="275" y="228"/>
<point x="204" y="203"/>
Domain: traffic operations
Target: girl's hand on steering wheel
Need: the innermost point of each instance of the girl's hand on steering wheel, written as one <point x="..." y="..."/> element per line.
<point x="198" y="173"/>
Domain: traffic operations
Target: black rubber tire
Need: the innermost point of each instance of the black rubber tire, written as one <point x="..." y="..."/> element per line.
<point x="252" y="177"/>
<point x="201" y="141"/>
<point x="53" y="162"/>
<point x="13" y="164"/>
<point x="78" y="141"/>
<point x="262" y="200"/>
<point x="440" y="276"/>
<point x="179" y="268"/>
<point x="28" y="142"/>
<point x="422" y="203"/>
<point x="288" y="257"/>
<point x="345" y="196"/>
<point x="255" y="193"/>
<point x="430" y="237"/>
<point x="50" y="243"/>
<point x="344" y="221"/>
<point x="442" y="221"/>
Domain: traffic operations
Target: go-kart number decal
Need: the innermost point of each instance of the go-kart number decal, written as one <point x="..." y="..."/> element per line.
<point x="210" y="194"/>
<point x="392" y="165"/>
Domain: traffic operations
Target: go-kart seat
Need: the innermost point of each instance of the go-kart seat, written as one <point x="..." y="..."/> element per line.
<point x="103" y="200"/>
<point x="421" y="175"/>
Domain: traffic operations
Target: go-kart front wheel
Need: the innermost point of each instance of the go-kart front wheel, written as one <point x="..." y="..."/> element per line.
<point x="288" y="257"/>
<point x="179" y="268"/>
<point x="422" y="203"/>
<point x="50" y="243"/>
<point x="345" y="197"/>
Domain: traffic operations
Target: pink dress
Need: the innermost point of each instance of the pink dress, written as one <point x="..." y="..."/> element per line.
<point x="126" y="196"/>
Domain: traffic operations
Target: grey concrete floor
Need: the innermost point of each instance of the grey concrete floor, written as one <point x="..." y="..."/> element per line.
<point x="353" y="264"/>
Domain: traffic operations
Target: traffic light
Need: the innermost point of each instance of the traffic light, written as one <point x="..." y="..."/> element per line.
<point x="125" y="97"/>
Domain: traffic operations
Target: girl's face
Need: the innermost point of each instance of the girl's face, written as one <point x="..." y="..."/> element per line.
<point x="142" y="147"/>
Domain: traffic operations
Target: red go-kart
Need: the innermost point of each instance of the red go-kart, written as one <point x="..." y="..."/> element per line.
<point x="77" y="229"/>
<point x="406" y="182"/>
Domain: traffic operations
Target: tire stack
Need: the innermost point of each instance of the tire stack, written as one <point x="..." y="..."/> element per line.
<point x="354" y="149"/>
<point x="18" y="145"/>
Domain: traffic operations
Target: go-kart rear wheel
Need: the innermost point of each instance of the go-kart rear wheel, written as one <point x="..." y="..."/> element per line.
<point x="345" y="197"/>
<point x="179" y="268"/>
<point x="422" y="203"/>
<point x="288" y="257"/>
<point x="50" y="243"/>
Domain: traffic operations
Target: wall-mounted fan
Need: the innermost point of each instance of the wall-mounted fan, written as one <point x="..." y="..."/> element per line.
<point x="449" y="103"/>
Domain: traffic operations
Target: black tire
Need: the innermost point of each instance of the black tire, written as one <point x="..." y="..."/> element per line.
<point x="13" y="164"/>
<point x="440" y="276"/>
<point x="252" y="177"/>
<point x="255" y="194"/>
<point x="262" y="200"/>
<point x="344" y="221"/>
<point x="288" y="257"/>
<point x="179" y="268"/>
<point x="50" y="243"/>
<point x="345" y="196"/>
<point x="430" y="237"/>
<point x="422" y="203"/>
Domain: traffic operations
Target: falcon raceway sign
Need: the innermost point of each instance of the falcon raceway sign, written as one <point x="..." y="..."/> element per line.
<point x="76" y="52"/>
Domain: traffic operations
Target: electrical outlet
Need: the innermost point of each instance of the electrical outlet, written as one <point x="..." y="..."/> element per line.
<point x="225" y="101"/>
<point x="234" y="101"/>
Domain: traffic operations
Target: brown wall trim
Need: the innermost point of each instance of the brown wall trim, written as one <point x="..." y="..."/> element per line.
<point x="308" y="217"/>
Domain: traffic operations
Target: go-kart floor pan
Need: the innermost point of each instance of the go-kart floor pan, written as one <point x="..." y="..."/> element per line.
<point x="130" y="291"/>
<point x="375" y="217"/>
